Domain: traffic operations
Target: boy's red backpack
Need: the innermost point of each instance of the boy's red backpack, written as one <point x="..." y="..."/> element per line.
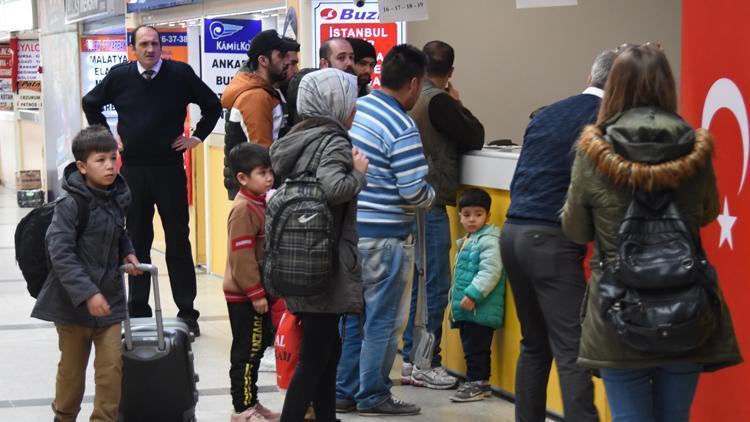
<point x="287" y="344"/>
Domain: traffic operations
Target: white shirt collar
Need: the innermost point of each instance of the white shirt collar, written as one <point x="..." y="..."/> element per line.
<point x="592" y="90"/>
<point x="156" y="68"/>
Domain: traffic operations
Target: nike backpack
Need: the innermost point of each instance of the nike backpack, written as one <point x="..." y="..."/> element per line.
<point x="300" y="242"/>
<point x="660" y="292"/>
<point x="31" y="245"/>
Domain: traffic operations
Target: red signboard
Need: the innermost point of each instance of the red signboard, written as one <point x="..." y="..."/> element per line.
<point x="341" y="18"/>
<point x="6" y="61"/>
<point x="715" y="93"/>
<point x="383" y="36"/>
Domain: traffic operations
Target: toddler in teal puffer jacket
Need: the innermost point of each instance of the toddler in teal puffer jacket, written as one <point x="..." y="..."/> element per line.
<point x="478" y="295"/>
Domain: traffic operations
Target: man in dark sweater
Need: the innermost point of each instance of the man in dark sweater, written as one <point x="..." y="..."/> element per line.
<point x="447" y="129"/>
<point x="545" y="268"/>
<point x="151" y="96"/>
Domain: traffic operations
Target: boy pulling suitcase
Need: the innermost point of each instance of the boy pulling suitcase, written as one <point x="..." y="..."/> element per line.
<point x="83" y="294"/>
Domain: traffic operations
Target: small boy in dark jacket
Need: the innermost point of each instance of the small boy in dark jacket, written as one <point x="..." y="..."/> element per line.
<point x="83" y="294"/>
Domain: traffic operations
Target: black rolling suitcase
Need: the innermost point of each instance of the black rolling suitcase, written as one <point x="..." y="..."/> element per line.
<point x="158" y="375"/>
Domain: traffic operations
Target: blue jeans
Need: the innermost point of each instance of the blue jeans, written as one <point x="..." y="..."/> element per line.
<point x="438" y="244"/>
<point x="660" y="394"/>
<point x="363" y="373"/>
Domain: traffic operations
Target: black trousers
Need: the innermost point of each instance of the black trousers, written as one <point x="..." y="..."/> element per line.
<point x="476" y="341"/>
<point x="247" y="351"/>
<point x="314" y="380"/>
<point x="545" y="272"/>
<point x="165" y="187"/>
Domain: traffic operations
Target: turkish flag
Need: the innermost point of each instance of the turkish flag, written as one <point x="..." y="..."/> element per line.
<point x="715" y="92"/>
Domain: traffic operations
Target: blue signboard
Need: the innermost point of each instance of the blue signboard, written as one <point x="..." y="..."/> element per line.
<point x="229" y="36"/>
<point x="144" y="5"/>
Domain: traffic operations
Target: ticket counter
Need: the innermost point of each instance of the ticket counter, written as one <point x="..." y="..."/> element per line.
<point x="492" y="170"/>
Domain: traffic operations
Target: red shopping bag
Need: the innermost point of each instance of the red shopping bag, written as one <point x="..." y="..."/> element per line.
<point x="287" y="344"/>
<point x="278" y="307"/>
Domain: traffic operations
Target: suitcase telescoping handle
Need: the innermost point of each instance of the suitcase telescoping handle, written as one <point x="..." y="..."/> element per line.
<point x="154" y="271"/>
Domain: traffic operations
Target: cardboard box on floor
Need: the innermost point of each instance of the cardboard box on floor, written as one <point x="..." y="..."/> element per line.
<point x="28" y="179"/>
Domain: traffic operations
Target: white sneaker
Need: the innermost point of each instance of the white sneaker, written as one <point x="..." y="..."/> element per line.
<point x="268" y="361"/>
<point x="406" y="370"/>
<point x="436" y="378"/>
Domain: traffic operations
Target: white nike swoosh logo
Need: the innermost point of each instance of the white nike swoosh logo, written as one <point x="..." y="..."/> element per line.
<point x="305" y="218"/>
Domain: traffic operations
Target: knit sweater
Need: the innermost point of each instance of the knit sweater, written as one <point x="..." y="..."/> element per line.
<point x="396" y="176"/>
<point x="151" y="113"/>
<point x="537" y="192"/>
<point x="245" y="236"/>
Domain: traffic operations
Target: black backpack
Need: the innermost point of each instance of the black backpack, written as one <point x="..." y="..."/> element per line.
<point x="300" y="240"/>
<point x="660" y="292"/>
<point x="31" y="246"/>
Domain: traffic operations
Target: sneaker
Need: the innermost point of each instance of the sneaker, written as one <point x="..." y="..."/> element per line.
<point x="249" y="415"/>
<point x="345" y="405"/>
<point x="406" y="370"/>
<point x="192" y="326"/>
<point x="436" y="378"/>
<point x="472" y="391"/>
<point x="393" y="406"/>
<point x="268" y="361"/>
<point x="267" y="413"/>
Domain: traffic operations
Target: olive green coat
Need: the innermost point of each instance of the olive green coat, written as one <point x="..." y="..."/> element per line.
<point x="641" y="148"/>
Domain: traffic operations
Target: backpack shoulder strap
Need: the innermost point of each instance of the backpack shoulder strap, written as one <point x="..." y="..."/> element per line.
<point x="83" y="213"/>
<point x="314" y="161"/>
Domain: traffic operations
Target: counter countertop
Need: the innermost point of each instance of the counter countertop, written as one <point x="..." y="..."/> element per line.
<point x="490" y="167"/>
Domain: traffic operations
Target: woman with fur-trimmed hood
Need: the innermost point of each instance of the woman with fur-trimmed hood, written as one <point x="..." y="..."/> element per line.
<point x="639" y="142"/>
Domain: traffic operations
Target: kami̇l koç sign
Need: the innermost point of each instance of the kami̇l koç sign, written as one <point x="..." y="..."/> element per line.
<point x="225" y="45"/>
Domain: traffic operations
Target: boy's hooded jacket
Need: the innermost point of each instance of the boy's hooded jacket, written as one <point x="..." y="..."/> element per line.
<point x="90" y="264"/>
<point x="477" y="274"/>
<point x="642" y="148"/>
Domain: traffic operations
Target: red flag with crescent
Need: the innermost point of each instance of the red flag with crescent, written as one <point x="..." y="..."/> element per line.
<point x="715" y="94"/>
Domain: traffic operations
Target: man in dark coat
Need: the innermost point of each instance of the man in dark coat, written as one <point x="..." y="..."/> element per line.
<point x="151" y="96"/>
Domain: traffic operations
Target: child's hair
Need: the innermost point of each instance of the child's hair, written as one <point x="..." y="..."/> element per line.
<point x="95" y="138"/>
<point x="474" y="197"/>
<point x="245" y="157"/>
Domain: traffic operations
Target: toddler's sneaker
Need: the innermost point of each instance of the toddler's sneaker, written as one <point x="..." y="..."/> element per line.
<point x="267" y="413"/>
<point x="436" y="378"/>
<point x="472" y="391"/>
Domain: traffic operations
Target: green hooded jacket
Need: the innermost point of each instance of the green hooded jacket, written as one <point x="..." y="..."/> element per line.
<point x="644" y="148"/>
<point x="477" y="274"/>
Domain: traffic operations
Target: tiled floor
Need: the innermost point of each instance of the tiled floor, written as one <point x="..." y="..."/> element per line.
<point x="28" y="353"/>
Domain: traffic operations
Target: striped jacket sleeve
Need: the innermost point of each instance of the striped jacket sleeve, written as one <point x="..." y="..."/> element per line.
<point x="410" y="168"/>
<point x="243" y="230"/>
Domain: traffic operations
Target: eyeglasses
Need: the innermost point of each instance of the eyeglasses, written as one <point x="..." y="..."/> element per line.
<point x="627" y="46"/>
